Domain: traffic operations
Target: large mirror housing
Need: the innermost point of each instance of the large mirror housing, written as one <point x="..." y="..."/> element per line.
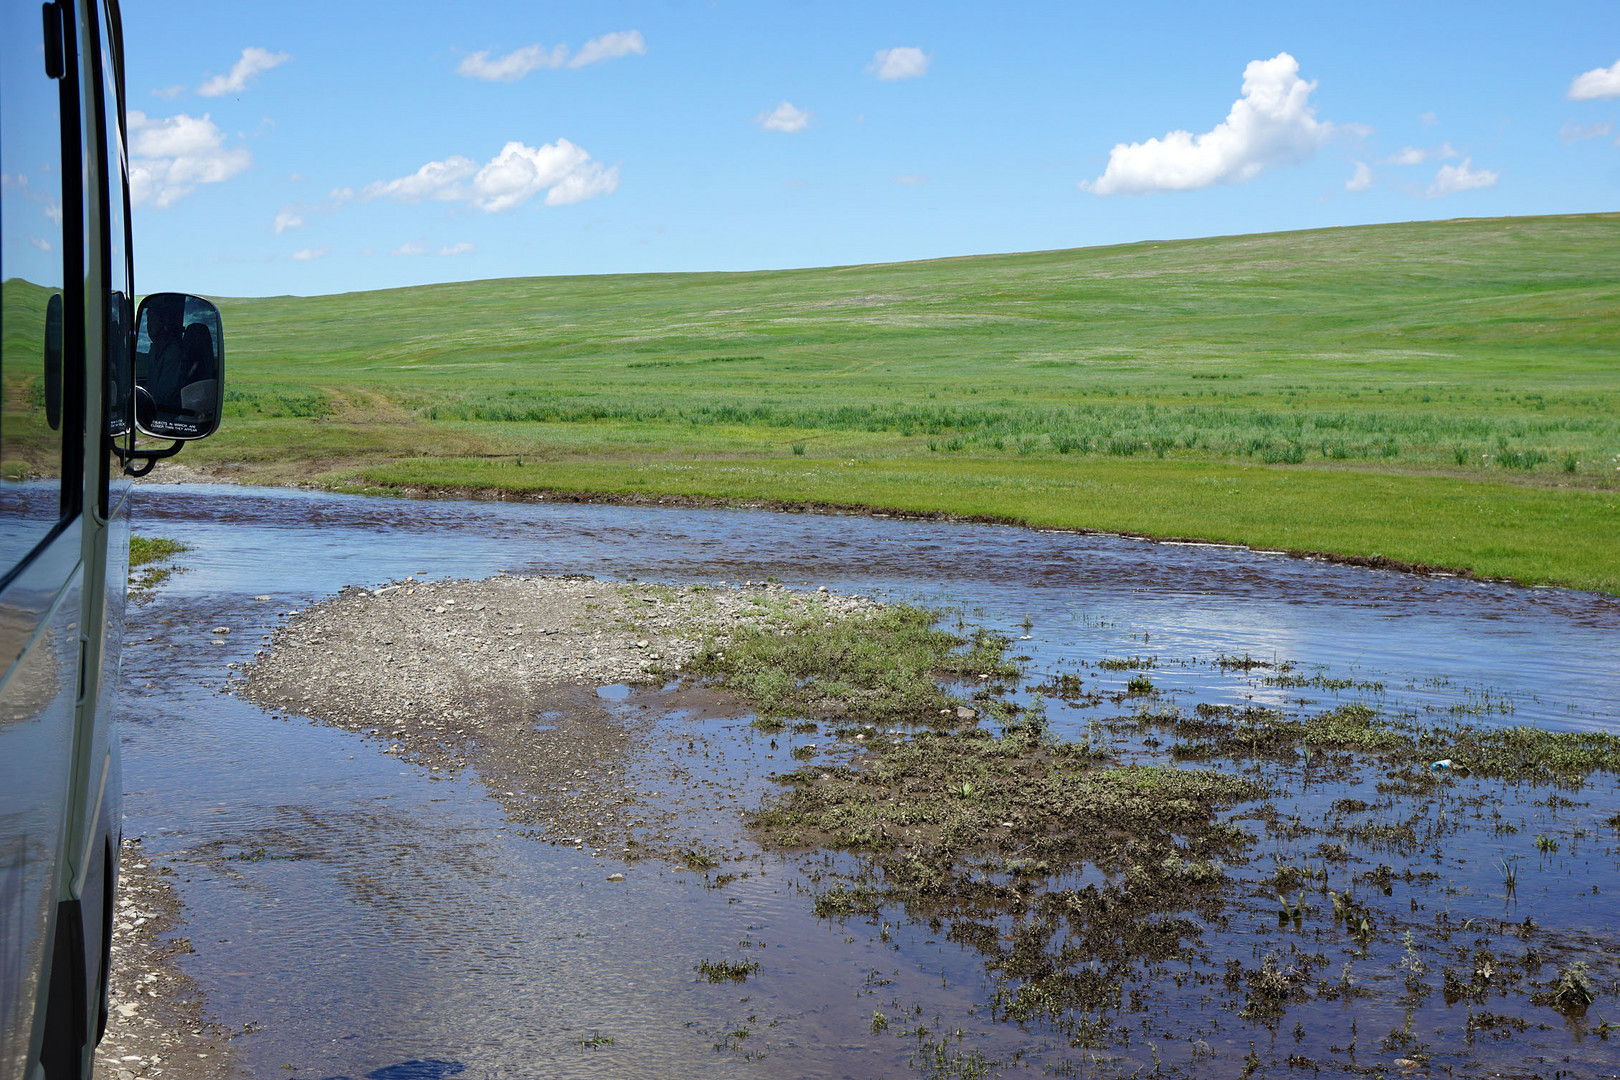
<point x="179" y="367"/>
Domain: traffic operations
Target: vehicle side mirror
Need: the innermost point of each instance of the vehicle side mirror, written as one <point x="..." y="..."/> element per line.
<point x="179" y="367"/>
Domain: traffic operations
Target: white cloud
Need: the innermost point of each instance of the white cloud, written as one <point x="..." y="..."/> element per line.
<point x="610" y="47"/>
<point x="514" y="65"/>
<point x="1460" y="177"/>
<point x="784" y="118"/>
<point x="254" y="62"/>
<point x="565" y="172"/>
<point x="519" y="62"/>
<point x="1417" y="155"/>
<point x="1272" y="124"/>
<point x="289" y="217"/>
<point x="1596" y="84"/>
<point x="903" y="62"/>
<point x="1361" y="179"/>
<point x="420" y="247"/>
<point x="436" y="180"/>
<point x="39" y="242"/>
<point x="1572" y="132"/>
<point x="1428" y="119"/>
<point x="309" y="253"/>
<point x="562" y="170"/>
<point x="169" y="157"/>
<point x="169" y="93"/>
<point x="911" y="179"/>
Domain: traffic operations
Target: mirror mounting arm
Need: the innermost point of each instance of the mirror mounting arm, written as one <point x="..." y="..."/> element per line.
<point x="147" y="458"/>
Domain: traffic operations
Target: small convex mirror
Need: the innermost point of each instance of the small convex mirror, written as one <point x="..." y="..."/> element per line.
<point x="179" y="367"/>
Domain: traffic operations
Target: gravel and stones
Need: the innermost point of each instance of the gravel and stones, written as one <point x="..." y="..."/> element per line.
<point x="502" y="675"/>
<point x="156" y="1022"/>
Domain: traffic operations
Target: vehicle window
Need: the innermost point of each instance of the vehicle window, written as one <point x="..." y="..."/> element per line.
<point x="33" y="422"/>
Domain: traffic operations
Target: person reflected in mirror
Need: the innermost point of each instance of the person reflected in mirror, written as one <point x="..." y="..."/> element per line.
<point x="164" y="369"/>
<point x="197" y="382"/>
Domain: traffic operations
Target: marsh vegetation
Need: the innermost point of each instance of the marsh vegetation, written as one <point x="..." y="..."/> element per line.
<point x="1154" y="883"/>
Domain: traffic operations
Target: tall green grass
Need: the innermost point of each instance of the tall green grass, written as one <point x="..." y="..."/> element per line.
<point x="1479" y="351"/>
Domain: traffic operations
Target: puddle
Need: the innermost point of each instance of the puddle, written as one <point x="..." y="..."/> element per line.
<point x="398" y="919"/>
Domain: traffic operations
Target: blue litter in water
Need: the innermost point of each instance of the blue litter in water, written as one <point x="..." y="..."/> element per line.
<point x="431" y="1069"/>
<point x="1443" y="763"/>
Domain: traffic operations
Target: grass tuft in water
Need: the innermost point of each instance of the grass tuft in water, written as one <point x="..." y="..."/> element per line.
<point x="722" y="971"/>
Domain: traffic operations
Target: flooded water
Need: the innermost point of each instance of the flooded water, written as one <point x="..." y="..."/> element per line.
<point x="351" y="913"/>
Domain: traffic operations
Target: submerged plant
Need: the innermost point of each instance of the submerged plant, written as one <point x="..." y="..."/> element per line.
<point x="719" y="971"/>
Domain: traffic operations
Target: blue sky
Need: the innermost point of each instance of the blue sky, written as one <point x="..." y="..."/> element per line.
<point x="314" y="148"/>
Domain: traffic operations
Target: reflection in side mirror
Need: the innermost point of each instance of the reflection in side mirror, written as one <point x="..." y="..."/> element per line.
<point x="179" y="367"/>
<point x="53" y="361"/>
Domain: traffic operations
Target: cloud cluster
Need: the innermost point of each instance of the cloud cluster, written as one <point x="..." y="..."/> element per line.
<point x="169" y="157"/>
<point x="904" y="62"/>
<point x="1451" y="179"/>
<point x="784" y="118"/>
<point x="1597" y="84"/>
<point x="254" y="62"/>
<point x="518" y="63"/>
<point x="563" y="171"/>
<point x="1273" y="124"/>
<point x="1448" y="179"/>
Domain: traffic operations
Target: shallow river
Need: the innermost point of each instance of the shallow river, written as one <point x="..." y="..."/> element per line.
<point x="399" y="917"/>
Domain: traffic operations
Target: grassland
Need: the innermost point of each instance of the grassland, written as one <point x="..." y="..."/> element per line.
<point x="1437" y="393"/>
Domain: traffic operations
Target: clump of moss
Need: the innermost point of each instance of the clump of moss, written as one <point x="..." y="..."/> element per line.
<point x="842" y="901"/>
<point x="884" y="664"/>
<point x="1573" y="991"/>
<point x="947" y="795"/>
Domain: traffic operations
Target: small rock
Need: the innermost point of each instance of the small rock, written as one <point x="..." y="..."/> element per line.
<point x="220" y="630"/>
<point x="963" y="712"/>
<point x="821" y="588"/>
<point x="615" y="877"/>
<point x="261" y="599"/>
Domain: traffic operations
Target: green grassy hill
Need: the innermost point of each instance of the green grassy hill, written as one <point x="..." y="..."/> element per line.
<point x="1440" y="393"/>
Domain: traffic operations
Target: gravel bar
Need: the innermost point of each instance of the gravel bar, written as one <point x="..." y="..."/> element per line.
<point x="501" y="675"/>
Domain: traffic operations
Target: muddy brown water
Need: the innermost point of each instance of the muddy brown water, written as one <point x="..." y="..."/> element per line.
<point x="351" y="913"/>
